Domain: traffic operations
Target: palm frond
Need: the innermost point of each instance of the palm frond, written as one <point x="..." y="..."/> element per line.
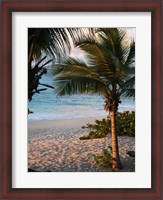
<point x="72" y="84"/>
<point x="127" y="89"/>
<point x="52" y="41"/>
<point x="98" y="56"/>
<point x="113" y="39"/>
<point x="75" y="73"/>
<point x="76" y="67"/>
<point x="131" y="55"/>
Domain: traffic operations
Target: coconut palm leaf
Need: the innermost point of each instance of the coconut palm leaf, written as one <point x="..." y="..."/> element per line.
<point x="97" y="56"/>
<point x="127" y="89"/>
<point x="131" y="55"/>
<point x="47" y="40"/>
<point x="72" y="84"/>
<point x="76" y="77"/>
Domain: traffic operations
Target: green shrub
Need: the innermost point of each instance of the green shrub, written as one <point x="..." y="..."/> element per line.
<point x="105" y="158"/>
<point x="125" y="123"/>
<point x="98" y="130"/>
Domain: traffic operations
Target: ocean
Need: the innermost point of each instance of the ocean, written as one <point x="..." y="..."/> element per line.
<point x="47" y="105"/>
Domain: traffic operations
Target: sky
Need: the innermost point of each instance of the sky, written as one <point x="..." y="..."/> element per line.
<point x="131" y="33"/>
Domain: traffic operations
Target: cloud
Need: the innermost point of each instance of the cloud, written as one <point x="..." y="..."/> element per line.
<point x="76" y="52"/>
<point x="130" y="33"/>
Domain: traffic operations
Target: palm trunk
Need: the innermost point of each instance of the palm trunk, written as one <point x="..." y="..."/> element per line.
<point x="116" y="163"/>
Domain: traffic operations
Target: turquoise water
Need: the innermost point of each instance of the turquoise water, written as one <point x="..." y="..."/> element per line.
<point x="47" y="105"/>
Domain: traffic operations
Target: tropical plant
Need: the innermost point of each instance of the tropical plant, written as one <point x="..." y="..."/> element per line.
<point x="105" y="158"/>
<point x="108" y="71"/>
<point x="125" y="122"/>
<point x="44" y="46"/>
<point x="100" y="129"/>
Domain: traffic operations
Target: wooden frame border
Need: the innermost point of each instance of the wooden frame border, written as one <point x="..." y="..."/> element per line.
<point x="9" y="6"/>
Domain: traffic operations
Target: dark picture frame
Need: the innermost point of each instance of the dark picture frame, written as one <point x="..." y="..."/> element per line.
<point x="10" y="6"/>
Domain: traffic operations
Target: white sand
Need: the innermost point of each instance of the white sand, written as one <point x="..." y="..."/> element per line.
<point x="61" y="123"/>
<point x="54" y="145"/>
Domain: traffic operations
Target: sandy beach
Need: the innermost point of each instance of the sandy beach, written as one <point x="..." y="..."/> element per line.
<point x="54" y="145"/>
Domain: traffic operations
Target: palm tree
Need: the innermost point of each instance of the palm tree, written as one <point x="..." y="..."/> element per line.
<point x="108" y="71"/>
<point x="44" y="46"/>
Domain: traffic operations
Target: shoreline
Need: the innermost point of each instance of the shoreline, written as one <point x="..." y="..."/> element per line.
<point x="62" y="123"/>
<point x="68" y="123"/>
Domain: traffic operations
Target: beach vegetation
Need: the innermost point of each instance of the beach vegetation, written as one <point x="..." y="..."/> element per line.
<point x="105" y="158"/>
<point x="125" y="122"/>
<point x="108" y="71"/>
<point x="100" y="129"/>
